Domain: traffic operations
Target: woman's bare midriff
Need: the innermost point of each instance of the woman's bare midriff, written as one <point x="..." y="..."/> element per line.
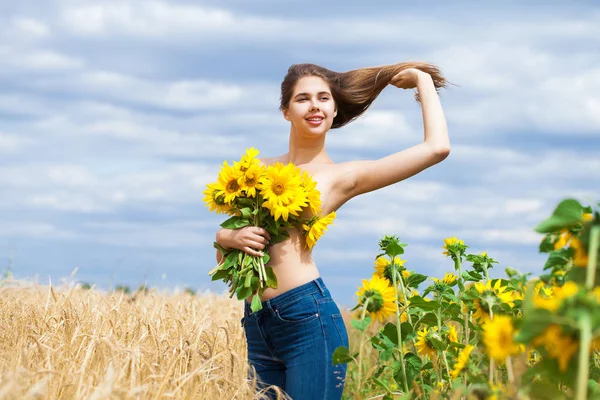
<point x="292" y="263"/>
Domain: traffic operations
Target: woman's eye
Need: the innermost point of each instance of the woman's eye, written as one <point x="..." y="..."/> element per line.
<point x="324" y="98"/>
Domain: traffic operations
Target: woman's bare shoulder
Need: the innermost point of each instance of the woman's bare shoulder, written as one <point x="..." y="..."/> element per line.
<point x="266" y="161"/>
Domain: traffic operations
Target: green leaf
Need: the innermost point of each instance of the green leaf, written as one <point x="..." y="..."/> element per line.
<point x="566" y="215"/>
<point x="546" y="245"/>
<point x="220" y="248"/>
<point x="246" y="212"/>
<point x="248" y="280"/>
<point x="361" y="325"/>
<point x="389" y="331"/>
<point x="407" y="331"/>
<point x="429" y="319"/>
<point x="419" y="302"/>
<point x="341" y="355"/>
<point x="243" y="292"/>
<point x="235" y="222"/>
<point x="471" y="276"/>
<point x="414" y="280"/>
<point x="256" y="304"/>
<point x="271" y="277"/>
<point x="412" y="365"/>
<point x="439" y="345"/>
<point x="393" y="249"/>
<point x="266" y="257"/>
<point x="221" y="274"/>
<point x="254" y="283"/>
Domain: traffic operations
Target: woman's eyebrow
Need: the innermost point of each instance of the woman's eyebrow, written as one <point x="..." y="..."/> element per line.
<point x="307" y="94"/>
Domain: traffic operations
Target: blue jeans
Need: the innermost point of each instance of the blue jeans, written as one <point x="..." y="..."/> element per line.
<point x="291" y="342"/>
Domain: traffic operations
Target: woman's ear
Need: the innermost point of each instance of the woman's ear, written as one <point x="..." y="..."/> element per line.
<point x="285" y="114"/>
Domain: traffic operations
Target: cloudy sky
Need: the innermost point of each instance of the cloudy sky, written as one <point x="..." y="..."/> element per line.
<point x="115" y="114"/>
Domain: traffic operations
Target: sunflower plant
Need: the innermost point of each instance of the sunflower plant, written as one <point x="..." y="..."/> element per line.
<point x="469" y="335"/>
<point x="277" y="198"/>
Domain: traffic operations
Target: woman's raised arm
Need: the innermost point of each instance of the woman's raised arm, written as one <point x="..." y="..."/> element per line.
<point x="367" y="175"/>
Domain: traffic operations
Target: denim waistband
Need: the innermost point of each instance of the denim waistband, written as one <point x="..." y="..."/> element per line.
<point x="314" y="286"/>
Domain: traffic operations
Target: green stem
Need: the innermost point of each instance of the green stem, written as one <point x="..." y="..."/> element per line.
<point x="458" y="267"/>
<point x="439" y="321"/>
<point x="485" y="270"/>
<point x="492" y="365"/>
<point x="398" y="327"/>
<point x="585" y="326"/>
<point x="360" y="346"/>
<point x="593" y="257"/>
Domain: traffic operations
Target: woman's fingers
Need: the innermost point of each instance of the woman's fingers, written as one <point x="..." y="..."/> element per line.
<point x="262" y="232"/>
<point x="253" y="252"/>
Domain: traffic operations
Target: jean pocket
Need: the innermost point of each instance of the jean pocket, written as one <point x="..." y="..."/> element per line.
<point x="338" y="321"/>
<point x="305" y="309"/>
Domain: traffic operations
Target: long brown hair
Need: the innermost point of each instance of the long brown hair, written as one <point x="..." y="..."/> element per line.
<point x="354" y="91"/>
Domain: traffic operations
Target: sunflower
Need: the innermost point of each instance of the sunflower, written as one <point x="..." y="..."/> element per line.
<point x="452" y="242"/>
<point x="311" y="192"/>
<point x="448" y="279"/>
<point x="280" y="184"/>
<point x="247" y="160"/>
<point x="498" y="337"/>
<point x="551" y="298"/>
<point x="283" y="210"/>
<point x="228" y="180"/>
<point x="452" y="335"/>
<point x="424" y="346"/>
<point x="580" y="258"/>
<point x="315" y="227"/>
<point x="461" y="363"/>
<point x="382" y="298"/>
<point x="490" y="295"/>
<point x="249" y="179"/>
<point x="213" y="201"/>
<point x="383" y="267"/>
<point x="557" y="345"/>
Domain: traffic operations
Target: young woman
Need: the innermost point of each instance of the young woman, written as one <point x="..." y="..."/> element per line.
<point x="292" y="339"/>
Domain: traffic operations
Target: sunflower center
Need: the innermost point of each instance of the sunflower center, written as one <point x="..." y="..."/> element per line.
<point x="233" y="186"/>
<point x="483" y="306"/>
<point x="220" y="200"/>
<point x="376" y="302"/>
<point x="278" y="188"/>
<point x="250" y="181"/>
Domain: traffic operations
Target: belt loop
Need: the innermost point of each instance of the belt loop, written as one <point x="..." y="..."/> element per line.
<point x="320" y="286"/>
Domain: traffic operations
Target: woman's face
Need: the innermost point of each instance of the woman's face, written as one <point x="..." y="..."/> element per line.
<point x="311" y="108"/>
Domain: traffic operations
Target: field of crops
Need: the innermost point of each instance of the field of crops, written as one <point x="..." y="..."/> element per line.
<point x="463" y="335"/>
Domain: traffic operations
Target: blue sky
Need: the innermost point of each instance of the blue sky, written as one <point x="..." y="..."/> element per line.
<point x="115" y="114"/>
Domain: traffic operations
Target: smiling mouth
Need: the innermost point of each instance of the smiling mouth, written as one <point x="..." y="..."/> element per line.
<point x="315" y="121"/>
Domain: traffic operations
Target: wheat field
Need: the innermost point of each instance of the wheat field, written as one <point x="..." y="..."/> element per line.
<point x="73" y="343"/>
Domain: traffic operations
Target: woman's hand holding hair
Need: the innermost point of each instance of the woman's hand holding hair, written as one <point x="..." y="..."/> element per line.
<point x="248" y="239"/>
<point x="408" y="78"/>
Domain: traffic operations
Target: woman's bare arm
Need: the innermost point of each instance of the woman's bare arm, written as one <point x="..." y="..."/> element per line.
<point x="358" y="177"/>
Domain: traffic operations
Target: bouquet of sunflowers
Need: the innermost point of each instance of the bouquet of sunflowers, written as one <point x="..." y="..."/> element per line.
<point x="273" y="198"/>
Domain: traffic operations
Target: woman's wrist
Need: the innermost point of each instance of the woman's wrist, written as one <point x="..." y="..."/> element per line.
<point x="424" y="81"/>
<point x="223" y="238"/>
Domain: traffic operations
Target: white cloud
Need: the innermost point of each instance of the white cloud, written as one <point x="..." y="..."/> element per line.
<point x="30" y="27"/>
<point x="376" y="128"/>
<point x="35" y="230"/>
<point x="10" y="143"/>
<point x="41" y="60"/>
